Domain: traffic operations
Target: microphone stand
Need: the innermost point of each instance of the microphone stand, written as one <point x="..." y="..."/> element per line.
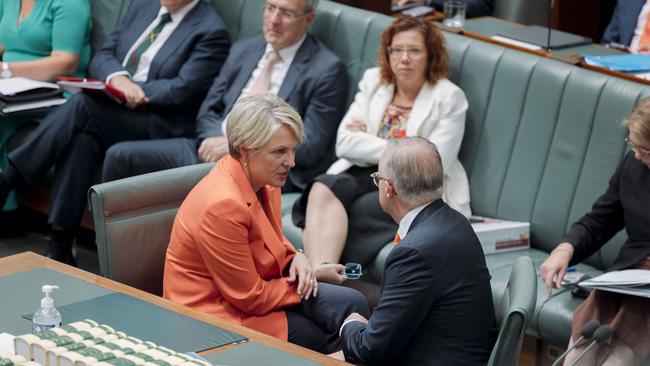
<point x="548" y="26"/>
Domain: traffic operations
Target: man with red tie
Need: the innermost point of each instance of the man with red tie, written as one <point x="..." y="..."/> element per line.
<point x="436" y="305"/>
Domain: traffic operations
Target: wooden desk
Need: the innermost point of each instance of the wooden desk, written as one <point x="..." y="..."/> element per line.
<point x="28" y="260"/>
<point x="483" y="28"/>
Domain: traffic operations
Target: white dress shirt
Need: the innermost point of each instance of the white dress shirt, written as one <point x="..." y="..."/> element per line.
<point x="407" y="220"/>
<point x="279" y="70"/>
<point x="278" y="73"/>
<point x="640" y="25"/>
<point x="142" y="72"/>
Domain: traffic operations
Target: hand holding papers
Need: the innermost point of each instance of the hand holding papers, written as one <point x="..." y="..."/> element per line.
<point x="634" y="282"/>
<point x="92" y="86"/>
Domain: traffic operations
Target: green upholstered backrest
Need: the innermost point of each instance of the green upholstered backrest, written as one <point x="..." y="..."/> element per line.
<point x="514" y="311"/>
<point x="106" y="15"/>
<point x="133" y="220"/>
<point x="542" y="137"/>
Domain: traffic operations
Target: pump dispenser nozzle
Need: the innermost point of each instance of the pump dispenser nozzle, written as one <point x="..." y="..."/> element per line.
<point x="47" y="301"/>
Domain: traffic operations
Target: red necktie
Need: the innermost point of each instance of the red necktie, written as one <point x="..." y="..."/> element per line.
<point x="397" y="239"/>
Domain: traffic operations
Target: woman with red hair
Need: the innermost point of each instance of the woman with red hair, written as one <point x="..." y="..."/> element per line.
<point x="407" y="95"/>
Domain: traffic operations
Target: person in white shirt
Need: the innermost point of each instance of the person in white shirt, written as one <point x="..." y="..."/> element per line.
<point x="407" y="95"/>
<point x="285" y="60"/>
<point x="162" y="58"/>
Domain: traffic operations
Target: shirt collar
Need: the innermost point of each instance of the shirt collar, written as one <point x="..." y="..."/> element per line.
<point x="287" y="54"/>
<point x="178" y="16"/>
<point x="407" y="220"/>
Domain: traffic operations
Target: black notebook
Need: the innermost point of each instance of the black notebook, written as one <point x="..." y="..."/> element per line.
<point x="538" y="36"/>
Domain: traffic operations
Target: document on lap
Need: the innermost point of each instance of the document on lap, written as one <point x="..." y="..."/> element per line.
<point x="634" y="282"/>
<point x="96" y="87"/>
<point x="22" y="94"/>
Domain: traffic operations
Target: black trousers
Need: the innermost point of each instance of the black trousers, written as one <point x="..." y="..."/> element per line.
<point x="73" y="138"/>
<point x="316" y="322"/>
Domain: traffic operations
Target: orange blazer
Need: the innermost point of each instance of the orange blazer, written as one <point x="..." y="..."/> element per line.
<point x="227" y="255"/>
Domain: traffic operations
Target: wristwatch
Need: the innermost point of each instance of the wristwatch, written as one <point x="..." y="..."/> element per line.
<point x="6" y="72"/>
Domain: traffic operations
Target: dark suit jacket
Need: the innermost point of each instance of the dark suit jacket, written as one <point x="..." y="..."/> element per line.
<point x="474" y="8"/>
<point x="182" y="70"/>
<point x="315" y="86"/>
<point x="621" y="27"/>
<point x="435" y="307"/>
<point x="625" y="205"/>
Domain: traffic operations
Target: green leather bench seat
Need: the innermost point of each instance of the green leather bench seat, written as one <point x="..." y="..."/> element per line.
<point x="542" y="139"/>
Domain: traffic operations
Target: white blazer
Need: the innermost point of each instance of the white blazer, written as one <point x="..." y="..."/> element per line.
<point x="438" y="115"/>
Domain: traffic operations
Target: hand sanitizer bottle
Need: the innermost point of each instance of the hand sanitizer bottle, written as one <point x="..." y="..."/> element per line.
<point x="46" y="316"/>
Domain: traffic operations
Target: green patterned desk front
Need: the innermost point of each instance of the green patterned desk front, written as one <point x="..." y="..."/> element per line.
<point x="20" y="293"/>
<point x="256" y="354"/>
<point x="149" y="322"/>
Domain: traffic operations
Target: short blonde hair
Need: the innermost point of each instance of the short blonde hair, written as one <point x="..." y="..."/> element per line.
<point x="639" y="120"/>
<point x="253" y="120"/>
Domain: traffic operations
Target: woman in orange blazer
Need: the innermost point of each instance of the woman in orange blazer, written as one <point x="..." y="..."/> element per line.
<point x="227" y="255"/>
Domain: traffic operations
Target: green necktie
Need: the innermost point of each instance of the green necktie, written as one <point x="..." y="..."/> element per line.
<point x="134" y="60"/>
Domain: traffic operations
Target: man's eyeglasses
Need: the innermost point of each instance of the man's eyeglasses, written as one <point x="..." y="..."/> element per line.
<point x="638" y="149"/>
<point x="376" y="178"/>
<point x="398" y="52"/>
<point x="285" y="13"/>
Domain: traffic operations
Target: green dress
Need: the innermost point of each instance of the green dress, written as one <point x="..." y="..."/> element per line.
<point x="52" y="25"/>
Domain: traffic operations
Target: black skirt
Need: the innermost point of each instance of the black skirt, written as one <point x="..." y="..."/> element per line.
<point x="347" y="187"/>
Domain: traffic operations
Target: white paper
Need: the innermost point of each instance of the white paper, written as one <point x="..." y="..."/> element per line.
<point x="514" y="42"/>
<point x="634" y="282"/>
<point x="625" y="277"/>
<point x="15" y="85"/>
<point x="17" y="107"/>
<point x="7" y="343"/>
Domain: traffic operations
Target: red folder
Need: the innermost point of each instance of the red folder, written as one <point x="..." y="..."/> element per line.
<point x="96" y="87"/>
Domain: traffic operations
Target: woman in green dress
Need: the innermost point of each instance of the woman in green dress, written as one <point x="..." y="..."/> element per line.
<point x="41" y="40"/>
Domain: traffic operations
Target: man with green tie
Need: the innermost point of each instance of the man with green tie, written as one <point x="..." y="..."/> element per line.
<point x="163" y="57"/>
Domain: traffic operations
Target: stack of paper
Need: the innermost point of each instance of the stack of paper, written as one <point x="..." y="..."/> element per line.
<point x="634" y="282"/>
<point x="21" y="94"/>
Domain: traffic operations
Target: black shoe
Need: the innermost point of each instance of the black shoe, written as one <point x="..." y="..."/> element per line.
<point x="61" y="247"/>
<point x="5" y="188"/>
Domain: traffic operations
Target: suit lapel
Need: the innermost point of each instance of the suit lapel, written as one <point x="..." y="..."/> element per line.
<point x="422" y="108"/>
<point x="297" y="67"/>
<point x="377" y="107"/>
<point x="182" y="32"/>
<point x="141" y="22"/>
<point x="249" y="63"/>
<point x="271" y="233"/>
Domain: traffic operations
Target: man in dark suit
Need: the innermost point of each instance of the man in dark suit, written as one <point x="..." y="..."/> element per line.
<point x="624" y="24"/>
<point x="435" y="306"/>
<point x="163" y="58"/>
<point x="307" y="75"/>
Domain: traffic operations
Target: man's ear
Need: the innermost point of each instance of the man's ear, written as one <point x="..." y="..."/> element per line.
<point x="390" y="190"/>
